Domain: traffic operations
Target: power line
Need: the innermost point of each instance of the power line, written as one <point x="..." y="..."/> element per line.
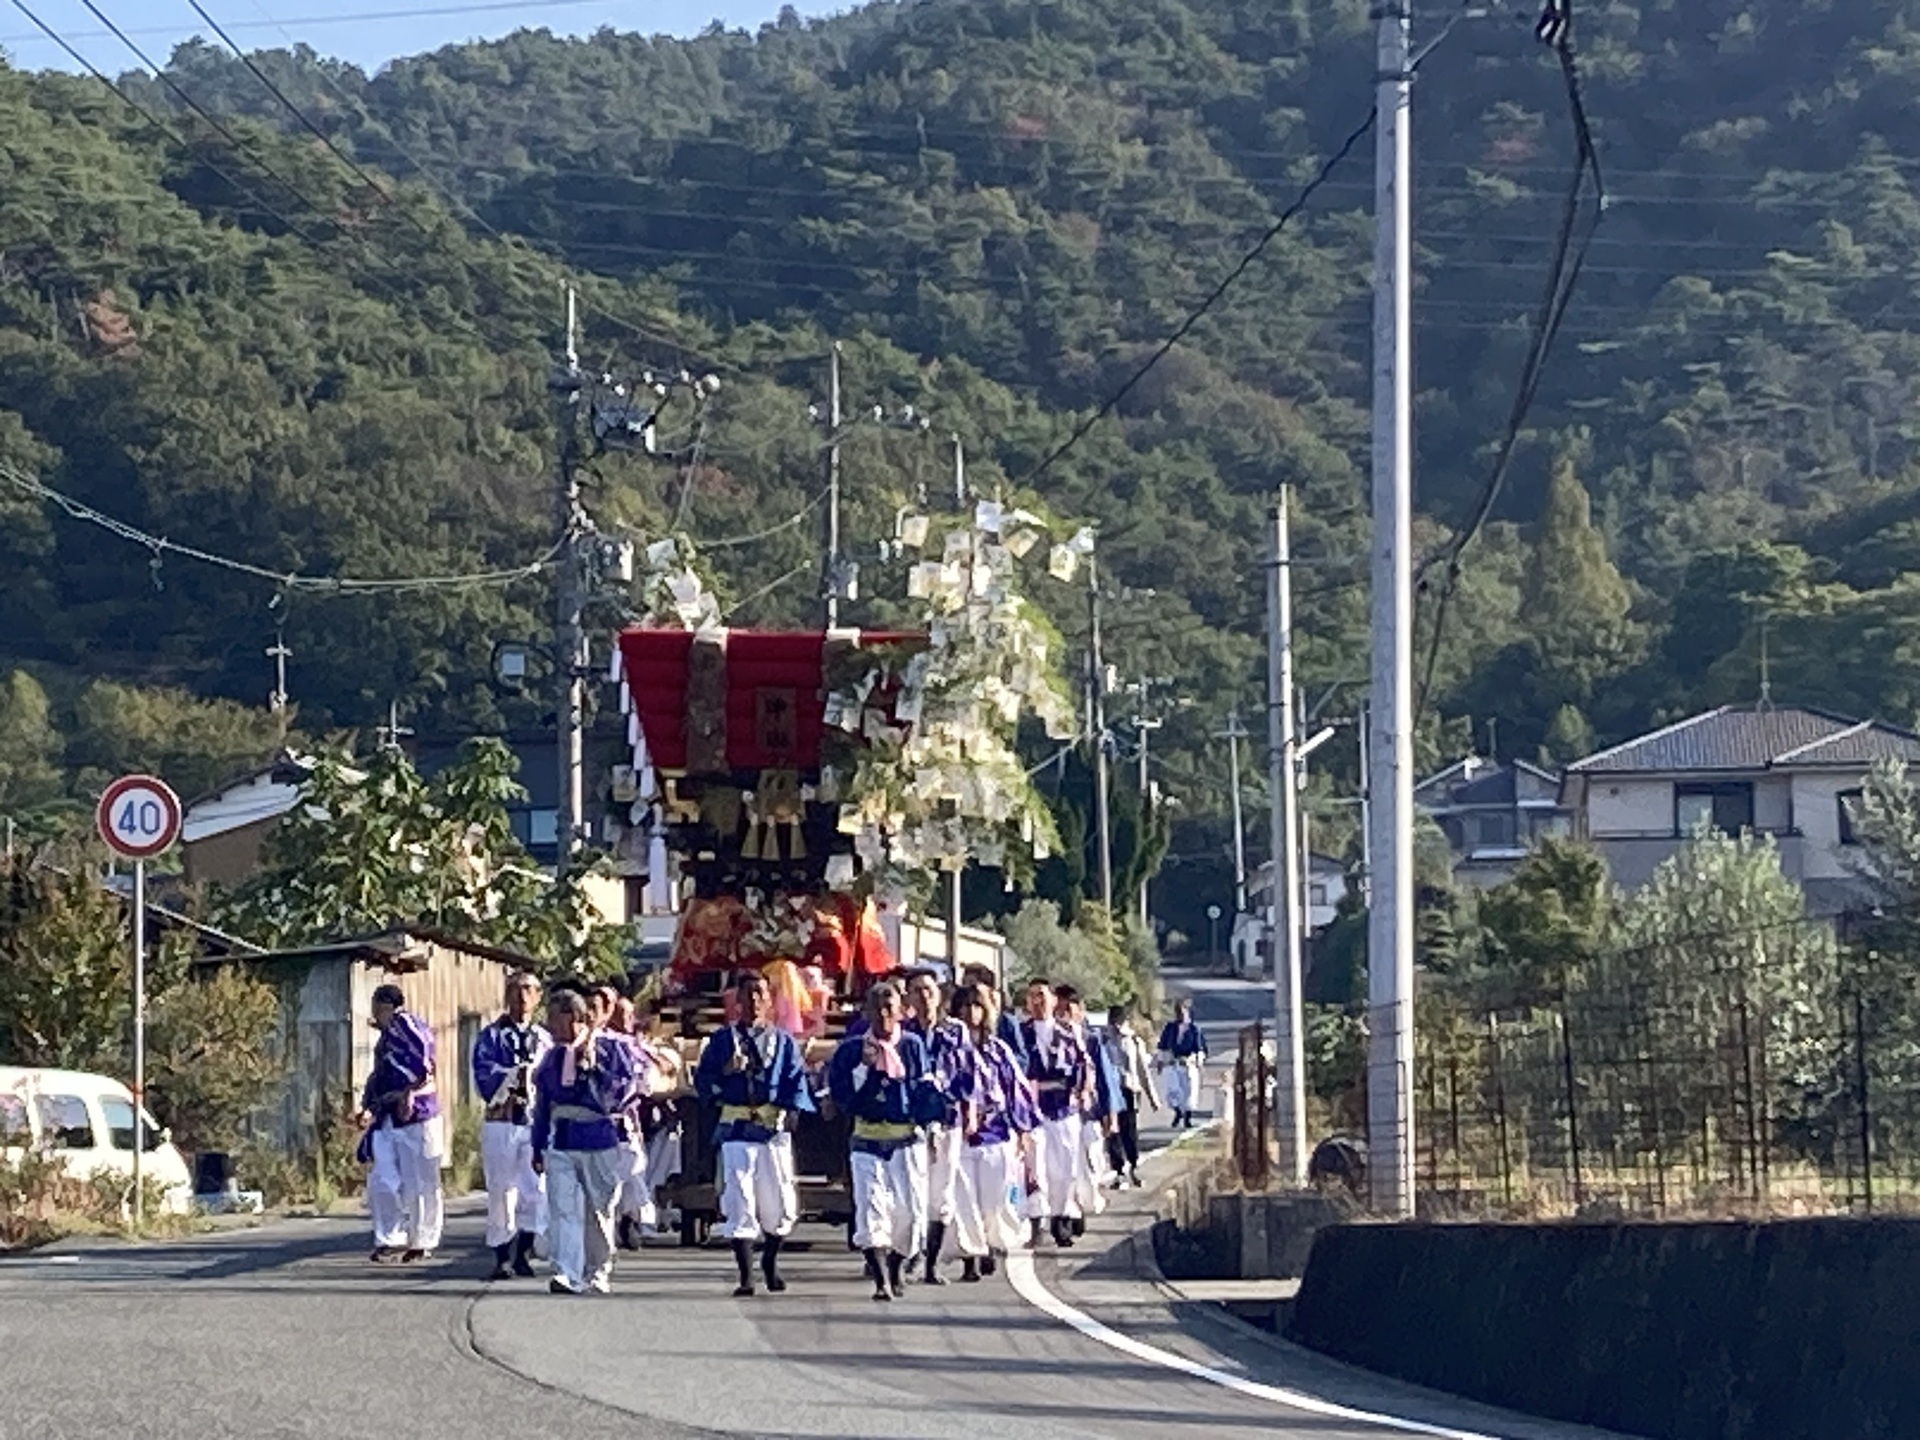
<point x="1569" y="254"/>
<point x="460" y="206"/>
<point x="159" y="546"/>
<point x="1199" y="312"/>
<point x="353" y="18"/>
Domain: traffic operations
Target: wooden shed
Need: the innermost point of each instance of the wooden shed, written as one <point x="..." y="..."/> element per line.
<point x="326" y="1005"/>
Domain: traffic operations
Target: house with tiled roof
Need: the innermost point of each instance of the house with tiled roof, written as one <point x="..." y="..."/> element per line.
<point x="1493" y="813"/>
<point x="1786" y="771"/>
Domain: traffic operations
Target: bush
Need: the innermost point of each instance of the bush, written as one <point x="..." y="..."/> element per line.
<point x="1086" y="955"/>
<point x="40" y="1201"/>
<point x="213" y="1061"/>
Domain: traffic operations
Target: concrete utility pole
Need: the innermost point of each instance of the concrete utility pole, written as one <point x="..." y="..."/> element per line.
<point x="955" y="895"/>
<point x="1390" y="746"/>
<point x="830" y="585"/>
<point x="569" y="643"/>
<point x="1233" y="735"/>
<point x="1146" y="728"/>
<point x="1097" y="732"/>
<point x="1283" y="895"/>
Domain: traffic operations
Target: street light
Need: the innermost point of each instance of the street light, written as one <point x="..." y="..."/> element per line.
<point x="1213" y="936"/>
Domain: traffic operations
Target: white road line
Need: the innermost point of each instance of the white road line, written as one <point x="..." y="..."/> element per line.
<point x="11" y="1260"/>
<point x="1026" y="1283"/>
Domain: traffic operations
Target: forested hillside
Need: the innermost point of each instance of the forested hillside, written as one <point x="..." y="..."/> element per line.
<point x="229" y="338"/>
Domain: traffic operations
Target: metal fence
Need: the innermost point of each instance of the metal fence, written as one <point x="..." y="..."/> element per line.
<point x="1790" y="1082"/>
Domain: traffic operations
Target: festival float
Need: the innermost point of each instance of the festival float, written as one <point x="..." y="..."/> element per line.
<point x="803" y="780"/>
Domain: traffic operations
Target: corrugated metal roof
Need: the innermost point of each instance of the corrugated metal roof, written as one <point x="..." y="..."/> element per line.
<point x="1750" y="738"/>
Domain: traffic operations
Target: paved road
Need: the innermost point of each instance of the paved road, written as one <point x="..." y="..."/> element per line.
<point x="286" y="1333"/>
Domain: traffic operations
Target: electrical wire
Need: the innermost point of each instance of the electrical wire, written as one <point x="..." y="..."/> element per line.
<point x="1571" y="245"/>
<point x="512" y="244"/>
<point x="159" y="547"/>
<point x="805" y="567"/>
<point x="351" y="18"/>
<point x="1199" y="312"/>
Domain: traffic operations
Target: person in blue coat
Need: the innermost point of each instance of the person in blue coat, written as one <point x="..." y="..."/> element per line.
<point x="756" y="1072"/>
<point x="883" y="1080"/>
<point x="583" y="1085"/>
<point x="1182" y="1053"/>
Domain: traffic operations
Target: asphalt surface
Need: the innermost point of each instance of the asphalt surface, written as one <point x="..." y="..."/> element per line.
<point x="287" y="1332"/>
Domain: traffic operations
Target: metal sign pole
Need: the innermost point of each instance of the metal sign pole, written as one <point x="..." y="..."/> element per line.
<point x="139" y="1035"/>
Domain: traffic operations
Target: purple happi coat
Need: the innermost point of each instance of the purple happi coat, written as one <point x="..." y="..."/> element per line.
<point x="402" y="1063"/>
<point x="993" y="1093"/>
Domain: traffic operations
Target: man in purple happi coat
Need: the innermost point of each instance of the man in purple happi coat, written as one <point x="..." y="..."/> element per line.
<point x="582" y="1089"/>
<point x="400" y="1109"/>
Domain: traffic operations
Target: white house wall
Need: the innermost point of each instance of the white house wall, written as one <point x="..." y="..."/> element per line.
<point x="1816" y="808"/>
<point x="1629" y="807"/>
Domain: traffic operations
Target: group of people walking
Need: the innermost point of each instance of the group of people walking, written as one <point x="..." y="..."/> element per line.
<point x="973" y="1130"/>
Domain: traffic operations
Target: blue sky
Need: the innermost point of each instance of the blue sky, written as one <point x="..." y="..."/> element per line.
<point x="366" y="32"/>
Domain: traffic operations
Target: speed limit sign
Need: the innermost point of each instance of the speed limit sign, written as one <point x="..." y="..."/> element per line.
<point x="138" y="817"/>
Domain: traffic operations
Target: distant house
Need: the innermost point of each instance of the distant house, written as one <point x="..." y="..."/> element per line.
<point x="223" y="834"/>
<point x="1326" y="888"/>
<point x="326" y="999"/>
<point x="1493" y="812"/>
<point x="1782" y="771"/>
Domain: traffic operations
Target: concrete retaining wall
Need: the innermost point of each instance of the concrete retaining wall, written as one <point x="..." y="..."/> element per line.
<point x="1235" y="1236"/>
<point x="1787" y="1330"/>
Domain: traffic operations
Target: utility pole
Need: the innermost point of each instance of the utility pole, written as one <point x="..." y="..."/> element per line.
<point x="955" y="895"/>
<point x="1097" y="732"/>
<point x="569" y="624"/>
<point x="1146" y="728"/>
<point x="1390" y="758"/>
<point x="279" y="653"/>
<point x="1283" y="896"/>
<point x="1233" y="735"/>
<point x="830" y="586"/>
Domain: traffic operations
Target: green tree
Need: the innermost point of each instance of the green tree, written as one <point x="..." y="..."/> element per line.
<point x="30" y="746"/>
<point x="1087" y="954"/>
<point x="192" y="744"/>
<point x="377" y="846"/>
<point x="1543" y="928"/>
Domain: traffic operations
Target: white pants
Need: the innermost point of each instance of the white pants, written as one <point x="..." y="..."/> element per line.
<point x="943" y="1173"/>
<point x="1183" y="1084"/>
<point x="636" y="1191"/>
<point x="516" y="1197"/>
<point x="1056" y="1146"/>
<point x="663" y="1163"/>
<point x="757" y="1193"/>
<point x="986" y="1199"/>
<point x="582" y="1187"/>
<point x="1090" y="1168"/>
<point x="403" y="1187"/>
<point x="890" y="1200"/>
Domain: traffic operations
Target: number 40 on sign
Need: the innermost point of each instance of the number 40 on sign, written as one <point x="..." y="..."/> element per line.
<point x="138" y="817"/>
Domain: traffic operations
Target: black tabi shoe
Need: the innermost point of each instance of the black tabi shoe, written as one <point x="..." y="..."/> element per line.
<point x="990" y="1262"/>
<point x="410" y="1257"/>
<point x="557" y="1286"/>
<point x="970" y="1270"/>
<point x="894" y="1263"/>
<point x="384" y="1254"/>
<point x="1078" y="1225"/>
<point x="743" y="1258"/>
<point x="936" y="1238"/>
<point x="502" y="1263"/>
<point x="523" y="1255"/>
<point x="1033" y="1240"/>
<point x="1062" y="1232"/>
<point x="877" y="1274"/>
<point x="770" y="1264"/>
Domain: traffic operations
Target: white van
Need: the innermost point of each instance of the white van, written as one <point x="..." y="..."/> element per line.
<point x="87" y="1120"/>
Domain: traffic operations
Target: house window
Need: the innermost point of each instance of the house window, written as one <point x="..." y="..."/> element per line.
<point x="469" y="1037"/>
<point x="1728" y="808"/>
<point x="1846" y="800"/>
<point x="1317" y="895"/>
<point x="1494" y="830"/>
